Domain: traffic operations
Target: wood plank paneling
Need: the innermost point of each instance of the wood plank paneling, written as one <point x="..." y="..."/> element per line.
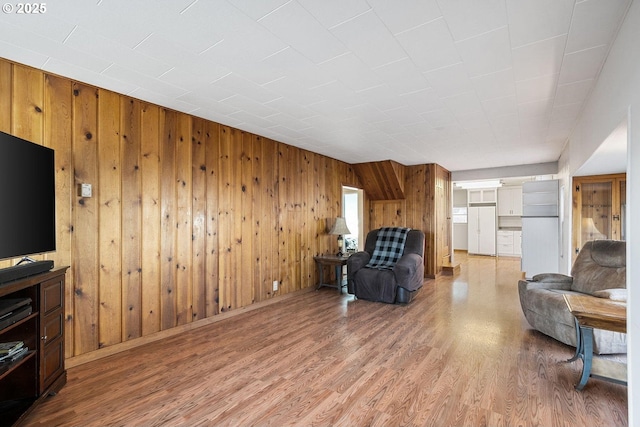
<point x="168" y="219"/>
<point x="110" y="225"/>
<point x="268" y="216"/>
<point x="188" y="218"/>
<point x="212" y="144"/>
<point x="6" y="95"/>
<point x="151" y="219"/>
<point x="131" y="175"/>
<point x="388" y="213"/>
<point x="245" y="217"/>
<point x="198" y="217"/>
<point x="225" y="220"/>
<point x="183" y="220"/>
<point x="85" y="220"/>
<point x="58" y="116"/>
<point x="258" y="283"/>
<point x="27" y="119"/>
<point x="383" y="180"/>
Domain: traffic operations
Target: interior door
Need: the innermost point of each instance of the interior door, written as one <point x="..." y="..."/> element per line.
<point x="599" y="205"/>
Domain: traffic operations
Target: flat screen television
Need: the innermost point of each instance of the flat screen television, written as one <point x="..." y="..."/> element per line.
<point x="27" y="198"/>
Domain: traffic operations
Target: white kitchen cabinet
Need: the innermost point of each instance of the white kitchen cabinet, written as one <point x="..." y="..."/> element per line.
<point x="509" y="243"/>
<point x="481" y="230"/>
<point x="482" y="195"/>
<point x="510" y="201"/>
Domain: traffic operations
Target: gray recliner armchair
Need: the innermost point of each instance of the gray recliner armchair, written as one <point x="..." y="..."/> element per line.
<point x="394" y="284"/>
<point x="599" y="271"/>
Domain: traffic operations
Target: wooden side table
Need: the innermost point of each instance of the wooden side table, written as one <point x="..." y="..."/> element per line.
<point x="331" y="260"/>
<point x="599" y="313"/>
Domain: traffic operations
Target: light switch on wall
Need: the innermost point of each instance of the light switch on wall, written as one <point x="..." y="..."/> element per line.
<point x="85" y="190"/>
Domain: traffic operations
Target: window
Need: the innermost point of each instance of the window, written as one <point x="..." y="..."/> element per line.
<point x="460" y="215"/>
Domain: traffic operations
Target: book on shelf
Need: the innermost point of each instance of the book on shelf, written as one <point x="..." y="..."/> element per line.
<point x="12" y="357"/>
<point x="10" y="347"/>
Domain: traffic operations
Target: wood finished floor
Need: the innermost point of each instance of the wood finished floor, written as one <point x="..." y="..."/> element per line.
<point x="461" y="354"/>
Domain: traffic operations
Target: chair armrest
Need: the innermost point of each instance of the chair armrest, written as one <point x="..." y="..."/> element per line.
<point x="406" y="269"/>
<point x="356" y="261"/>
<point x="554" y="282"/>
<point x="552" y="278"/>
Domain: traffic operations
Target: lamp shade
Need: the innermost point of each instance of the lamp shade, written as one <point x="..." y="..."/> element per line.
<point x="340" y="227"/>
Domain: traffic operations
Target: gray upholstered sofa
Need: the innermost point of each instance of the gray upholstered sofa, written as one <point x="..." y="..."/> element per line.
<point x="396" y="285"/>
<point x="600" y="271"/>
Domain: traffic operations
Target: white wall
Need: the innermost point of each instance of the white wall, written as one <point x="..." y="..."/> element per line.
<point x="460" y="236"/>
<point x="565" y="217"/>
<point x="616" y="96"/>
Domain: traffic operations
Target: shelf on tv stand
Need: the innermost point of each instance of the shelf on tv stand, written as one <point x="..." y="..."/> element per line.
<point x="24" y="383"/>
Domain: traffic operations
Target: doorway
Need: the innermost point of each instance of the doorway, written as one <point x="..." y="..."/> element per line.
<point x="353" y="212"/>
<point x="599" y="209"/>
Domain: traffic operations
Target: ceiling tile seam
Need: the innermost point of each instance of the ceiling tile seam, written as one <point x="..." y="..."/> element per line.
<point x="44" y="64"/>
<point x="350" y="19"/>
<point x="540" y="41"/>
<point x="443" y="68"/>
<point x="540" y="77"/>
<point x="212" y="46"/>
<point x="142" y="41"/>
<point x="271" y="12"/>
<point x="588" y="49"/>
<point x="431" y="21"/>
<point x="189" y="6"/>
<point x="107" y="69"/>
<point x="482" y="34"/>
<point x="73" y="30"/>
<point x="491" y="73"/>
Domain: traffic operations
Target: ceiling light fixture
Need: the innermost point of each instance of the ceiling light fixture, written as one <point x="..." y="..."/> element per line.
<point x="479" y="184"/>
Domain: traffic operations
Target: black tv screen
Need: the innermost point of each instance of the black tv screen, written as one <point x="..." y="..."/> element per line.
<point x="27" y="198"/>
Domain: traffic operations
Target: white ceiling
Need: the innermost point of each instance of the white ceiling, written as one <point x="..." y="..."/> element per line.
<point x="466" y="84"/>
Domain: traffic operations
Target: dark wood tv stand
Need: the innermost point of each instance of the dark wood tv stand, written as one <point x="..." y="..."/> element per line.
<point x="40" y="372"/>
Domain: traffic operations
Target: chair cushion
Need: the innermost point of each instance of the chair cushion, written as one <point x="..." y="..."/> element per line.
<point x="389" y="247"/>
<point x="609" y="253"/>
<point x="599" y="265"/>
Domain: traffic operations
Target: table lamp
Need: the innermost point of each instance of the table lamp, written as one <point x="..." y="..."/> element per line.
<point x="340" y="228"/>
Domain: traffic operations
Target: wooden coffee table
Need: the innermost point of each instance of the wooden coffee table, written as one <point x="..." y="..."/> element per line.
<point x="599" y="313"/>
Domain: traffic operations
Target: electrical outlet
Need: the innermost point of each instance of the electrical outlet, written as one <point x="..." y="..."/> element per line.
<point x="275" y="285"/>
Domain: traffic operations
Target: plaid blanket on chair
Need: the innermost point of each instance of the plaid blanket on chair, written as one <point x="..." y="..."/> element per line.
<point x="389" y="247"/>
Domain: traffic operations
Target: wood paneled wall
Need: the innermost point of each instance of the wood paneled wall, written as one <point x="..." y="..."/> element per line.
<point x="189" y="218"/>
<point x="382" y="180"/>
<point x="427" y="207"/>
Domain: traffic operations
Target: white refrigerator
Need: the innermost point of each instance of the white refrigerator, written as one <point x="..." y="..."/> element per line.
<point x="540" y="228"/>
